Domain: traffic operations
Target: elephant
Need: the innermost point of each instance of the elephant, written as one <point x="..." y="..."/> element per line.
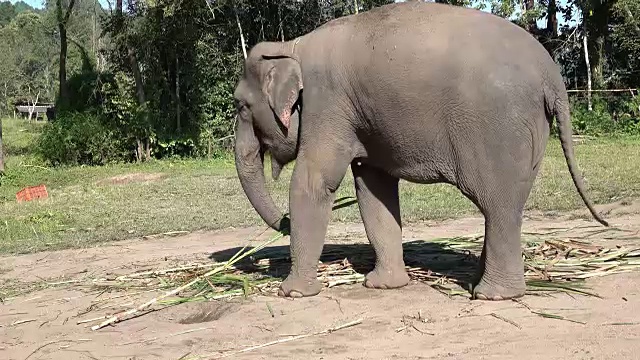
<point x="416" y="91"/>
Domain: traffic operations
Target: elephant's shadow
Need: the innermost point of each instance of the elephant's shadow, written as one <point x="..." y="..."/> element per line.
<point x="420" y="255"/>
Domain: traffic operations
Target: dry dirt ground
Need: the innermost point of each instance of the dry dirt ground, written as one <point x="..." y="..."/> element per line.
<point x="44" y="324"/>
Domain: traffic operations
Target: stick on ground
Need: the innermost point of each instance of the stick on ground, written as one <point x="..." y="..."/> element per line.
<point x="505" y="320"/>
<point x="292" y="338"/>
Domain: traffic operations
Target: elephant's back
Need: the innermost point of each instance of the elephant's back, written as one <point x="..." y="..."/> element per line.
<point x="426" y="33"/>
<point x="452" y="61"/>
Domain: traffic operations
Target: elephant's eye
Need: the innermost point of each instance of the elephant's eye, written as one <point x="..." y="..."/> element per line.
<point x="242" y="109"/>
<point x="240" y="104"/>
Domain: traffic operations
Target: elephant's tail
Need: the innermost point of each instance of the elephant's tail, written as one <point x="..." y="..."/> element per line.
<point x="560" y="107"/>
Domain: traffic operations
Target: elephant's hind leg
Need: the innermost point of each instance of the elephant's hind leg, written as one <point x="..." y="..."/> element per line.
<point x="501" y="272"/>
<point x="377" y="194"/>
<point x="501" y="195"/>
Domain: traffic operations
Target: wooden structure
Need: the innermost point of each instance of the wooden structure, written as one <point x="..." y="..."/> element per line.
<point x="38" y="111"/>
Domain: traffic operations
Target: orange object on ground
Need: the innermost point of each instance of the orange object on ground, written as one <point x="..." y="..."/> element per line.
<point x="32" y="192"/>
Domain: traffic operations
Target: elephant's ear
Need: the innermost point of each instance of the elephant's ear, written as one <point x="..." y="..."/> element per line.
<point x="283" y="83"/>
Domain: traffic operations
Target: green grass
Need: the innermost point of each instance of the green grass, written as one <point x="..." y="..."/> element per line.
<point x="201" y="194"/>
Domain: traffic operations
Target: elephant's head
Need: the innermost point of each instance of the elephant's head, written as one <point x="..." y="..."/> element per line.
<point x="268" y="100"/>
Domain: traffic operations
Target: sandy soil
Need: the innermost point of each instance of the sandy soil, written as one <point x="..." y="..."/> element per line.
<point x="416" y="322"/>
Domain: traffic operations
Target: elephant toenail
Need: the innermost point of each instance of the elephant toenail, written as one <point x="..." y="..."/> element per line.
<point x="481" y="296"/>
<point x="295" y="294"/>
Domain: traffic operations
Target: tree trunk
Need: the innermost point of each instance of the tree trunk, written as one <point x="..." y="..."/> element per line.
<point x="586" y="59"/>
<point x="139" y="150"/>
<point x="631" y="19"/>
<point x="281" y="30"/>
<point x="597" y="65"/>
<point x="531" y="25"/>
<point x="242" y="42"/>
<point x="1" y="151"/>
<point x="552" y="19"/>
<point x="550" y="33"/>
<point x="50" y="92"/>
<point x="93" y="35"/>
<point x="355" y="5"/>
<point x="147" y="148"/>
<point x="143" y="148"/>
<point x="597" y="25"/>
<point x="33" y="105"/>
<point x="62" y="74"/>
<point x="178" y="107"/>
<point x="63" y="20"/>
<point x="143" y="144"/>
<point x="5" y="93"/>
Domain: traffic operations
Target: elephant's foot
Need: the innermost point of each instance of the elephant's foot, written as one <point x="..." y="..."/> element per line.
<point x="387" y="278"/>
<point x="485" y="290"/>
<point x="297" y="287"/>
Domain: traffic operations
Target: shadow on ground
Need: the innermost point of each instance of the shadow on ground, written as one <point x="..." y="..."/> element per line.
<point x="458" y="266"/>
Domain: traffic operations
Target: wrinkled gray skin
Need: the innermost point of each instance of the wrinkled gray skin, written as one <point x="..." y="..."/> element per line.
<point x="417" y="91"/>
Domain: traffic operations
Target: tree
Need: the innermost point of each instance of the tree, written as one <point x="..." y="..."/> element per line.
<point x="1" y="150"/>
<point x="626" y="33"/>
<point x="27" y="56"/>
<point x="596" y="16"/>
<point x="143" y="150"/>
<point x="8" y="70"/>
<point x="63" y="16"/>
<point x="7" y="13"/>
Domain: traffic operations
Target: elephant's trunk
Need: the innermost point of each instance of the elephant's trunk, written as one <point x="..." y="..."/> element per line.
<point x="250" y="167"/>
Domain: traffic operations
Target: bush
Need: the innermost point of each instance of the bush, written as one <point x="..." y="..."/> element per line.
<point x="82" y="139"/>
<point x="174" y="148"/>
<point x="617" y="116"/>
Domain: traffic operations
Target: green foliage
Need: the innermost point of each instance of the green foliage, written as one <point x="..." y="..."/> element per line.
<point x="112" y="119"/>
<point x="119" y="100"/>
<point x="86" y="92"/>
<point x="189" y="58"/>
<point x="174" y="148"/>
<point x="218" y="109"/>
<point x="81" y="139"/>
<point x="27" y="72"/>
<point x="608" y="118"/>
<point x="627" y="32"/>
<point x="29" y="50"/>
<point x="9" y="11"/>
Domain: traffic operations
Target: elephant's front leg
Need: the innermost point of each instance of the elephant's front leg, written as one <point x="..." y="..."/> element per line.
<point x="311" y="195"/>
<point x="378" y="199"/>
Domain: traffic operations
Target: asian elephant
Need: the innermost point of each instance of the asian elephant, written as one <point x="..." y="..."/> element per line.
<point x="425" y="92"/>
